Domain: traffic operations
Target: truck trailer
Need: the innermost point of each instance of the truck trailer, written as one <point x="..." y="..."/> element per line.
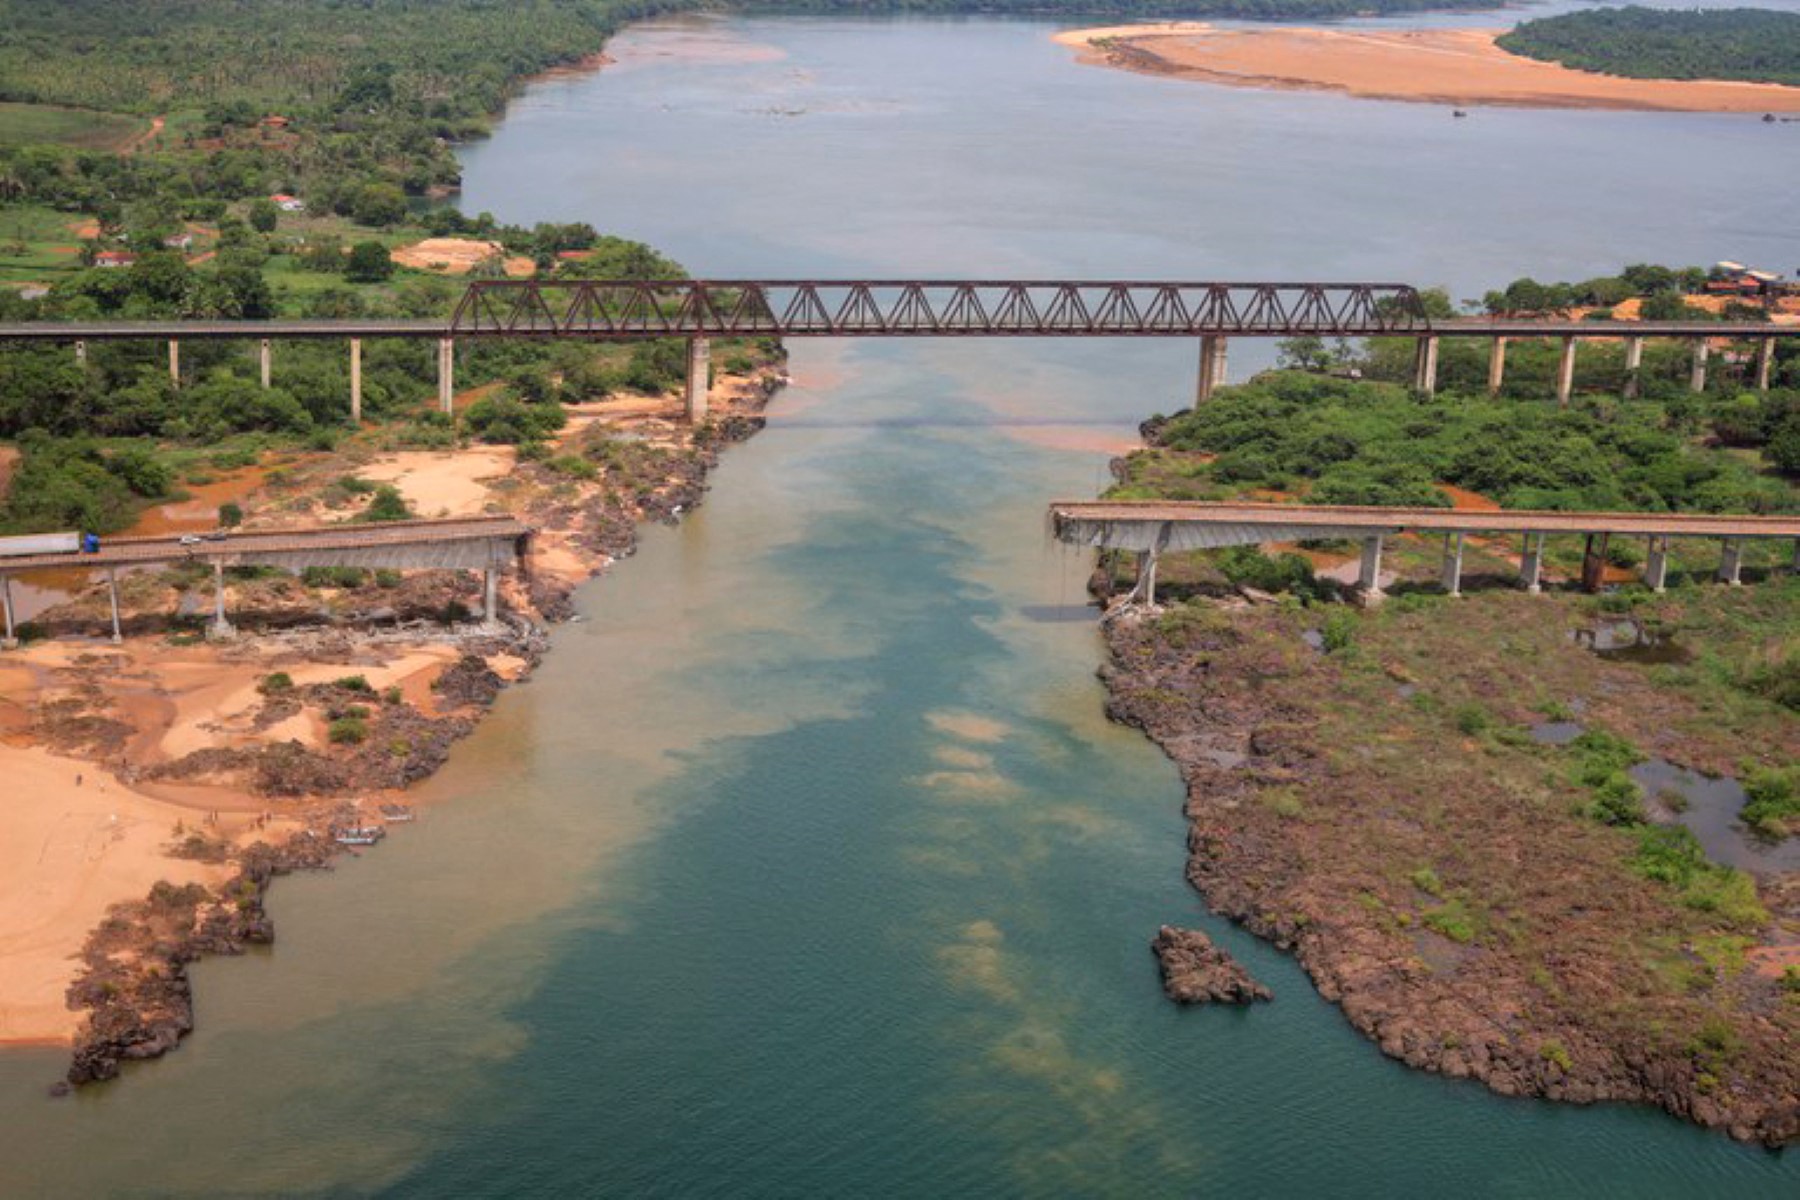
<point x="40" y="543"/>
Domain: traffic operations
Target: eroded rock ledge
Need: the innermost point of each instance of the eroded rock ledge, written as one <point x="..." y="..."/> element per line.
<point x="1195" y="971"/>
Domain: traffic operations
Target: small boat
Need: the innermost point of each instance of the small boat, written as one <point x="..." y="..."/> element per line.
<point x="393" y="813"/>
<point x="1457" y="112"/>
<point x="360" y="835"/>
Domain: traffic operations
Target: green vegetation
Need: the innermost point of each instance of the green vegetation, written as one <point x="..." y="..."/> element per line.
<point x="276" y="684"/>
<point x="1602" y="763"/>
<point x="1246" y="10"/>
<point x="1750" y="44"/>
<point x="44" y="124"/>
<point x="1772" y="806"/>
<point x="387" y="504"/>
<point x="353" y="683"/>
<point x="1671" y="854"/>
<point x="348" y="730"/>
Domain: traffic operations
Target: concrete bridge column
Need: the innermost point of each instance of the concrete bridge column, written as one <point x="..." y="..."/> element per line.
<point x="10" y="641"/>
<point x="1213" y="349"/>
<point x="1656" y="565"/>
<point x="1634" y="366"/>
<point x="112" y="594"/>
<point x="1565" y="373"/>
<point x="1731" y="561"/>
<point x="1765" y="363"/>
<point x="699" y="378"/>
<point x="1368" y="579"/>
<point x="447" y="375"/>
<point x="266" y="353"/>
<point x="174" y="363"/>
<point x="1593" y="561"/>
<point x="1531" y="563"/>
<point x="356" y="381"/>
<point x="1453" y="554"/>
<point x="220" y="629"/>
<point x="1496" y="366"/>
<point x="1697" y="374"/>
<point x="1425" y="365"/>
<point x="81" y="354"/>
<point x="490" y="598"/>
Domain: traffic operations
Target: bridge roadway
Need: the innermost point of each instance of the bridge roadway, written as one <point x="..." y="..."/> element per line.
<point x="484" y="544"/>
<point x="1152" y="527"/>
<point x="700" y="310"/>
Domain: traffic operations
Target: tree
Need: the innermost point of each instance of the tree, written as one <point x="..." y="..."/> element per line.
<point x="369" y="262"/>
<point x="378" y="204"/>
<point x="264" y="216"/>
<point x="387" y="504"/>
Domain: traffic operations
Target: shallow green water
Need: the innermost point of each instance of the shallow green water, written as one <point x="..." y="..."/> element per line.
<point x="807" y="865"/>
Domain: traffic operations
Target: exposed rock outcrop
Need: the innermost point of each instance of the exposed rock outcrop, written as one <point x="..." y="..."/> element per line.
<point x="1195" y="971"/>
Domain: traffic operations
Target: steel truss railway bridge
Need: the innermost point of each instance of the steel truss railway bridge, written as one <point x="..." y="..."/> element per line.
<point x="700" y="310"/>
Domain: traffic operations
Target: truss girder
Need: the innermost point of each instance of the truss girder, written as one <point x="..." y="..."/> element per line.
<point x="624" y="308"/>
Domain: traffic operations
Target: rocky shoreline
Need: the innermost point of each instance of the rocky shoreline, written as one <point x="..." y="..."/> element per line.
<point x="1270" y="809"/>
<point x="133" y="984"/>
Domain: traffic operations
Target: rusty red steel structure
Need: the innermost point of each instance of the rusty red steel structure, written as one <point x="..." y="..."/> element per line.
<point x="713" y="308"/>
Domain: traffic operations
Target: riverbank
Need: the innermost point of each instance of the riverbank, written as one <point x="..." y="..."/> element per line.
<point x="1406" y="799"/>
<point x="167" y="780"/>
<point x="1458" y="67"/>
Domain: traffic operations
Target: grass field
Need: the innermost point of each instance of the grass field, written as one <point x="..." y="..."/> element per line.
<point x="25" y="124"/>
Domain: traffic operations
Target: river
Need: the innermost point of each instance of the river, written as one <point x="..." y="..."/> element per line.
<point x="807" y="864"/>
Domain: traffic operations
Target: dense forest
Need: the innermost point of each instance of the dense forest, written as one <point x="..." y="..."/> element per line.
<point x="1245" y="10"/>
<point x="1751" y="44"/>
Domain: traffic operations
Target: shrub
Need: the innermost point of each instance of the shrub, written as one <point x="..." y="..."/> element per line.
<point x="387" y="504"/>
<point x="1772" y="800"/>
<point x="1454" y="920"/>
<point x="275" y="684"/>
<point x="502" y="420"/>
<point x="348" y="731"/>
<point x="1248" y="566"/>
<point x="353" y="683"/>
<point x="337" y="577"/>
<point x="230" y="516"/>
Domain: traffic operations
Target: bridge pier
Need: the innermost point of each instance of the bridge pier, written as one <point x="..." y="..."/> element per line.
<point x="174" y="363"/>
<point x="1656" y="565"/>
<point x="699" y="378"/>
<point x="1565" y="372"/>
<point x="11" y="640"/>
<point x="447" y="375"/>
<point x="1425" y="364"/>
<point x="266" y="357"/>
<point x="1496" y="366"/>
<point x="1697" y="374"/>
<point x="220" y="629"/>
<point x="1453" y="560"/>
<point x="490" y="599"/>
<point x="112" y="594"/>
<point x="1531" y="563"/>
<point x="1634" y="366"/>
<point x="81" y="354"/>
<point x="356" y="381"/>
<point x="1731" y="561"/>
<point x="1213" y="347"/>
<point x="1765" y="363"/>
<point x="1368" y="578"/>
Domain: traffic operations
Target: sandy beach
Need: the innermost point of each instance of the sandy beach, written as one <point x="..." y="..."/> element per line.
<point x="1460" y="67"/>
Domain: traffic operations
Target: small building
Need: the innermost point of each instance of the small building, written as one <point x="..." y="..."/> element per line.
<point x="33" y="291"/>
<point x="287" y="203"/>
<point x="274" y="121"/>
<point x="111" y="260"/>
<point x="178" y="241"/>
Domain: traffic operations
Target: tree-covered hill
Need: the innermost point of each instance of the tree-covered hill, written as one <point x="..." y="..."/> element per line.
<point x="1752" y="44"/>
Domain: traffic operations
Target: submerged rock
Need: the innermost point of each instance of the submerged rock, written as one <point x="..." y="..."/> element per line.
<point x="1195" y="971"/>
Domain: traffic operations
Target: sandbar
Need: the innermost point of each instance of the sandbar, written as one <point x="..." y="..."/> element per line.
<point x="1458" y="67"/>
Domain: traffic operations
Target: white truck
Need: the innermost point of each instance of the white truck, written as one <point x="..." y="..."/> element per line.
<point x="40" y="543"/>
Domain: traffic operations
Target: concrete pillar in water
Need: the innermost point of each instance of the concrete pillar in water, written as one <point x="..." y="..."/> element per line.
<point x="266" y="355"/>
<point x="1731" y="561"/>
<point x="112" y="593"/>
<point x="1425" y="360"/>
<point x="220" y="627"/>
<point x="699" y="378"/>
<point x="1531" y="563"/>
<point x="1496" y="366"/>
<point x="81" y="354"/>
<point x="1634" y="366"/>
<point x="10" y="641"/>
<point x="1453" y="550"/>
<point x="1212" y="366"/>
<point x="447" y="375"/>
<point x="1765" y="363"/>
<point x="1368" y="579"/>
<point x="1697" y="374"/>
<point x="1565" y="372"/>
<point x="174" y="363"/>
<point x="1656" y="564"/>
<point x="356" y="381"/>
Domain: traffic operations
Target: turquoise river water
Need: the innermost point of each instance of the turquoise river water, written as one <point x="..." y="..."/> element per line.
<point x="807" y="864"/>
